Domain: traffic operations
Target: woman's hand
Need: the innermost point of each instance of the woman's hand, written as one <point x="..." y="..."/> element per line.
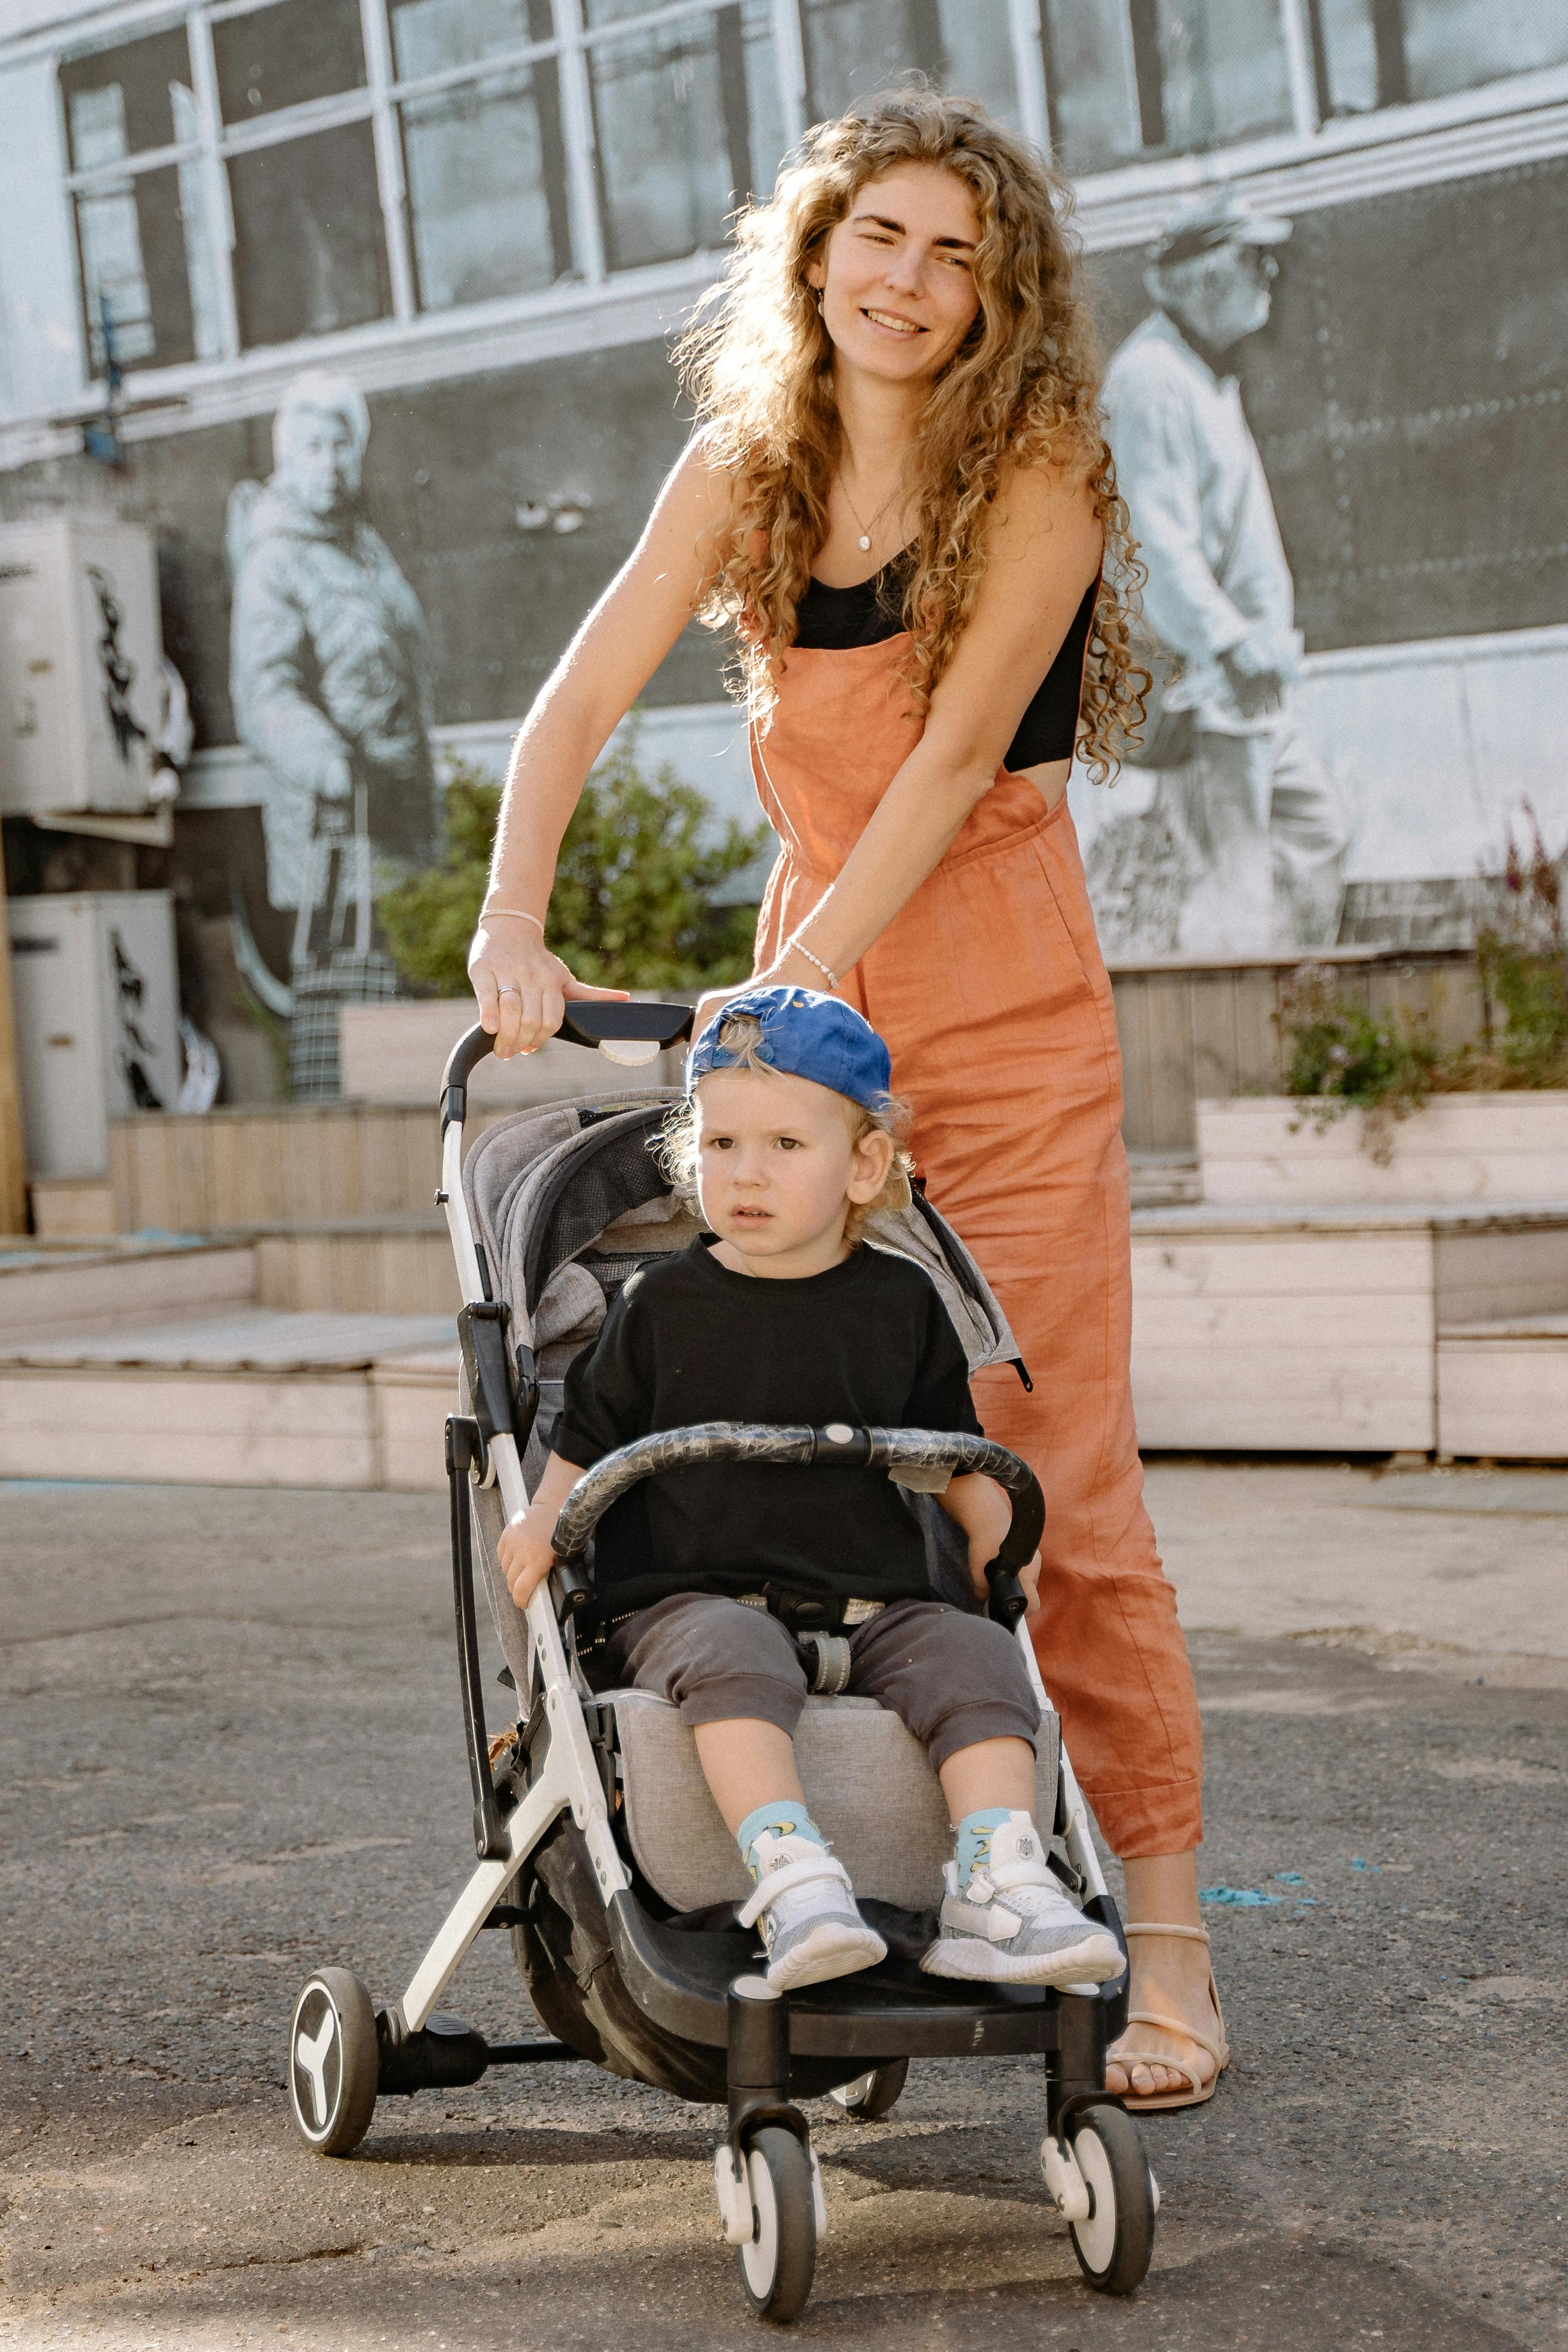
<point x="522" y="988"/>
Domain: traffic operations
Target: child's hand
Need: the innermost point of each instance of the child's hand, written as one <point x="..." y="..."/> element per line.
<point x="525" y="1553"/>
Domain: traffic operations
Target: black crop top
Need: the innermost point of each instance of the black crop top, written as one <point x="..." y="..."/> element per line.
<point x="836" y="620"/>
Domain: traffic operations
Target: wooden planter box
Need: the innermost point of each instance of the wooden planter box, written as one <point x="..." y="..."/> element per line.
<point x="1501" y="1148"/>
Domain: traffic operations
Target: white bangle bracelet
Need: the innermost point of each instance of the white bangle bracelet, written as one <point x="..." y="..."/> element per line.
<point x="519" y="914"/>
<point x="831" y="977"/>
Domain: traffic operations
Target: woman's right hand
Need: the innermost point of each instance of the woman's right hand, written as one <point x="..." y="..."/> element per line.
<point x="522" y="988"/>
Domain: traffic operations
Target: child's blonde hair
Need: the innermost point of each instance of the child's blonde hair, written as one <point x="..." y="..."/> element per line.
<point x="679" y="1150"/>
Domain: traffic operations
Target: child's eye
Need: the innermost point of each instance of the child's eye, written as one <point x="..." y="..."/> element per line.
<point x="788" y="1143"/>
<point x="718" y="1142"/>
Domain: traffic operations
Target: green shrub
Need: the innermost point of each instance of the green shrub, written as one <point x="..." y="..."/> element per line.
<point x="1344" y="1057"/>
<point x="633" y="904"/>
<point x="1524" y="959"/>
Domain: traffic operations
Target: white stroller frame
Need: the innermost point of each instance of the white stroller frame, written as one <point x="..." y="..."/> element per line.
<point x="766" y="2180"/>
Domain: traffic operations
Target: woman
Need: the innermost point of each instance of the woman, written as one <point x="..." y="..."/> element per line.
<point x="899" y="498"/>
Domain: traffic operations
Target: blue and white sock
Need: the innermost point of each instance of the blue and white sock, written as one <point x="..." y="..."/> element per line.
<point x="972" y="1840"/>
<point x="785" y="1818"/>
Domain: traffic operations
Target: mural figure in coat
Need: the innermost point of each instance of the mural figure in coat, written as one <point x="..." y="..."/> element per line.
<point x="1241" y="847"/>
<point x="330" y="677"/>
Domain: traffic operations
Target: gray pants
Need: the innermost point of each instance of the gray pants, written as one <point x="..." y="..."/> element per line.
<point x="950" y="1678"/>
<point x="1263" y="832"/>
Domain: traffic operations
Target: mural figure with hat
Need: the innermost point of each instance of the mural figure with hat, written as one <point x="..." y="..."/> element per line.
<point x="329" y="674"/>
<point x="1242" y="846"/>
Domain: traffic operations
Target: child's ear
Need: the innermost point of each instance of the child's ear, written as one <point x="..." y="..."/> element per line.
<point x="871" y="1166"/>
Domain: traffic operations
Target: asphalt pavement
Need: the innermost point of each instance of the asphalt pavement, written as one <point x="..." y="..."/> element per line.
<point x="231" y="1753"/>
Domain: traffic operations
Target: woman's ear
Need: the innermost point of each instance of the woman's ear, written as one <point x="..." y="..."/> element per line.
<point x="871" y="1166"/>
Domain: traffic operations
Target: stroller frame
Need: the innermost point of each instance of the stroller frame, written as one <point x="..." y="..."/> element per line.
<point x="852" y="2036"/>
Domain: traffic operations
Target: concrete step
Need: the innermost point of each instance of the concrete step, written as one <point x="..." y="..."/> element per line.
<point x="1502" y="1388"/>
<point x="254" y="1397"/>
<point x="45" y="1289"/>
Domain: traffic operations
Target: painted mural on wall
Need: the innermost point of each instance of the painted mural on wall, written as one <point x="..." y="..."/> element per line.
<point x="1240" y="848"/>
<point x="330" y="676"/>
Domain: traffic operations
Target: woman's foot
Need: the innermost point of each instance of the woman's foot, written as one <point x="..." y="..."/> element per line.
<point x="804" y="1909"/>
<point x="1170" y="1978"/>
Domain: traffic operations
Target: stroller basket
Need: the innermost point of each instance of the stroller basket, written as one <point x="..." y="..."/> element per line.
<point x="598" y="1847"/>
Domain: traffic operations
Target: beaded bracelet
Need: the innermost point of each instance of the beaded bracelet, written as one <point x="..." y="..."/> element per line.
<point x="831" y="977"/>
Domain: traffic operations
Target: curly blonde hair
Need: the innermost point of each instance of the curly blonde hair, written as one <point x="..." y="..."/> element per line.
<point x="679" y="1146"/>
<point x="1023" y="388"/>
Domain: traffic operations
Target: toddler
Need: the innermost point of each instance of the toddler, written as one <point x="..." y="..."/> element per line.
<point x="780" y="1313"/>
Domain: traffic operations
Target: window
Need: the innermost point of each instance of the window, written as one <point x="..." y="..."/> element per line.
<point x="686" y="122"/>
<point x="283" y="56"/>
<point x="381" y="159"/>
<point x="147" y="254"/>
<point x="487" y="189"/>
<point x="310" y="246"/>
<point x="1135" y="77"/>
<point x="1372" y="53"/>
<point x="856" y="47"/>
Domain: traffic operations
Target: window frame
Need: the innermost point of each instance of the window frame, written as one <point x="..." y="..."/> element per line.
<point x="1116" y="205"/>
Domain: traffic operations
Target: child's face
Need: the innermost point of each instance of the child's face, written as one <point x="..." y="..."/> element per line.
<point x="778" y="1167"/>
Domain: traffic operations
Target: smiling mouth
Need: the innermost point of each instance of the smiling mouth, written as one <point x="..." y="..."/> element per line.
<point x="895" y="325"/>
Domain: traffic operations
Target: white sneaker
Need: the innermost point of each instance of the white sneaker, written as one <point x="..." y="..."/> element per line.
<point x="804" y="1909"/>
<point x="1015" y="1922"/>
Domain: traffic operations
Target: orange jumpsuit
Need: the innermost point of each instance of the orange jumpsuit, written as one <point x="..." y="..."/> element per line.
<point x="989" y="989"/>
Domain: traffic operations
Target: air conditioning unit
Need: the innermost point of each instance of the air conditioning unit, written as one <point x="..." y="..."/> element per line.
<point x="80" y="656"/>
<point x="96" y="996"/>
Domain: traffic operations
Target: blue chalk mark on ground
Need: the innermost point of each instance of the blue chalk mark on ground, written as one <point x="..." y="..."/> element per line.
<point x="1290" y="1878"/>
<point x="1243" y="1898"/>
<point x="1356" y="1863"/>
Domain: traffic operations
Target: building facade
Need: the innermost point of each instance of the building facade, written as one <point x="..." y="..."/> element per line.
<point x="489" y="214"/>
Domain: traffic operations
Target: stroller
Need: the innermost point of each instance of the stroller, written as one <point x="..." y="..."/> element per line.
<point x="599" y="1846"/>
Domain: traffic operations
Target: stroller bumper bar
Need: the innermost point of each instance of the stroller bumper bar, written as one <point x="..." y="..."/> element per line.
<point x="877" y="1449"/>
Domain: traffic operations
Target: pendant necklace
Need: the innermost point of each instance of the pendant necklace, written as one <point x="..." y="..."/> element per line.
<point x="863" y="541"/>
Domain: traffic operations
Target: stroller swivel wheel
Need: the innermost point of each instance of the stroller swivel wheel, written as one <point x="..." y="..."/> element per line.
<point x="874" y="2094"/>
<point x="334" y="2061"/>
<point x="777" y="2264"/>
<point x="1114" y="2243"/>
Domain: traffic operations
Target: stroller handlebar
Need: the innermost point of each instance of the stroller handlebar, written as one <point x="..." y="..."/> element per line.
<point x="588" y="1021"/>
<point x="877" y="1449"/>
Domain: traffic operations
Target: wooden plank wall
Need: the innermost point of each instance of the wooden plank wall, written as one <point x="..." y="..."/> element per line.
<point x="1191" y="1030"/>
<point x="1187" y="1031"/>
<point x="293" y="1165"/>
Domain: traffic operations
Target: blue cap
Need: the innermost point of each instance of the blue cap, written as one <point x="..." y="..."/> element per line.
<point x="807" y="1035"/>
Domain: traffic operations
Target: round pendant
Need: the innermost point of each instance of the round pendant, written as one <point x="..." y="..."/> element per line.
<point x="863" y="541"/>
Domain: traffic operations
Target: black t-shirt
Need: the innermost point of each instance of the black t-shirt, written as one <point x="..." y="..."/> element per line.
<point x="868" y="1342"/>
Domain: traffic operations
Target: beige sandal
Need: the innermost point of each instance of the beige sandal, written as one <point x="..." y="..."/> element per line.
<point x="1197" y="2093"/>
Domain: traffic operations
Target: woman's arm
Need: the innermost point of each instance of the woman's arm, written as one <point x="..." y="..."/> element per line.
<point x="590" y="691"/>
<point x="1045" y="548"/>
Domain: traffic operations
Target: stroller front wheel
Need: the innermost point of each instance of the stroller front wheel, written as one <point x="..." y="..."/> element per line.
<point x="1116" y="2243"/>
<point x="777" y="2264"/>
<point x="334" y="2062"/>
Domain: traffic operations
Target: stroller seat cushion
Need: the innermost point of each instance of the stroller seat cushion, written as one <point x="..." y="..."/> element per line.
<point x="871" y="1790"/>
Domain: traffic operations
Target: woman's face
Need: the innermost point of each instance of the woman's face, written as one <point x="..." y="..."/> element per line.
<point x="897" y="273"/>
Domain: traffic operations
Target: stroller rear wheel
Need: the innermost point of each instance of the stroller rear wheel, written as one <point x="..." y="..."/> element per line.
<point x="874" y="2094"/>
<point x="334" y="2062"/>
<point x="1114" y="2244"/>
<point x="777" y="2267"/>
